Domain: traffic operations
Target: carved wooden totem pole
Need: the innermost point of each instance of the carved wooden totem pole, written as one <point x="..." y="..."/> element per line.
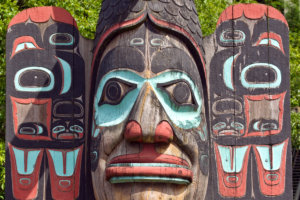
<point x="150" y="109"/>
<point x="249" y="103"/>
<point x="45" y="106"/>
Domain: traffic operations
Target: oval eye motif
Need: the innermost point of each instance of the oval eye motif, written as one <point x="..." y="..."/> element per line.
<point x="76" y="128"/>
<point x="219" y="125"/>
<point x="61" y="39"/>
<point x="232" y="37"/>
<point x="261" y="75"/>
<point x="114" y="91"/>
<point x="180" y="92"/>
<point x="237" y="125"/>
<point x="34" y="78"/>
<point x="58" y="129"/>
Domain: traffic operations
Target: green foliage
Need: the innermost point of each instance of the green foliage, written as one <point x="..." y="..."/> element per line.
<point x="209" y="12"/>
<point x="295" y="119"/>
<point x="2" y="168"/>
<point x="8" y="9"/>
<point x="293" y="15"/>
<point x="295" y="68"/>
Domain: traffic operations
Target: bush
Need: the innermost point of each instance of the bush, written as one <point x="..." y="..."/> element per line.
<point x="295" y="123"/>
<point x="2" y="168"/>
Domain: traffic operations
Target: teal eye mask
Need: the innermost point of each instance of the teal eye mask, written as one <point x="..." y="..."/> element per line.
<point x="183" y="116"/>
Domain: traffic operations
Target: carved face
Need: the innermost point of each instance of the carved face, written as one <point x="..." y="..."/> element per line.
<point x="149" y="134"/>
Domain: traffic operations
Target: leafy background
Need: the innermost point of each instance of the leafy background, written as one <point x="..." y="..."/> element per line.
<point x="86" y="14"/>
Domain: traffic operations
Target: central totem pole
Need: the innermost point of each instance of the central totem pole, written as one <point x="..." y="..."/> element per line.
<point x="150" y="109"/>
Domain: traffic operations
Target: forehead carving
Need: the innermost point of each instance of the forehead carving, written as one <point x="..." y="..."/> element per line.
<point x="147" y="49"/>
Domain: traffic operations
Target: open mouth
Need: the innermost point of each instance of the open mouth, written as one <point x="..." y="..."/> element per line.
<point x="66" y="136"/>
<point x="149" y="166"/>
<point x="229" y="132"/>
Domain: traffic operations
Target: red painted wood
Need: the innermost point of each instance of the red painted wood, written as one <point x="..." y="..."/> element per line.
<point x="237" y="186"/>
<point x="43" y="14"/>
<point x="149" y="155"/>
<point x="60" y="190"/>
<point x="271" y="35"/>
<point x="21" y="40"/>
<point x="273" y="187"/>
<point x="260" y="98"/>
<point x="28" y="189"/>
<point x="149" y="171"/>
<point x="251" y="11"/>
<point x="133" y="132"/>
<point x="47" y="102"/>
<point x="163" y="132"/>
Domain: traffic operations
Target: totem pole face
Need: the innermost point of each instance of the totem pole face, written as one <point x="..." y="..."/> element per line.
<point x="149" y="135"/>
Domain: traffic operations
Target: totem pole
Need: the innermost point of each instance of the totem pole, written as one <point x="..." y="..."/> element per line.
<point x="249" y="103"/>
<point x="45" y="106"/>
<point x="150" y="109"/>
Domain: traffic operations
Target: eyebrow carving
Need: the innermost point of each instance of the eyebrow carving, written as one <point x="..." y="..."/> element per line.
<point x="271" y="39"/>
<point x="24" y="43"/>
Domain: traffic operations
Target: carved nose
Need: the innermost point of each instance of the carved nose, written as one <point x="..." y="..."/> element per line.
<point x="163" y="133"/>
<point x="133" y="132"/>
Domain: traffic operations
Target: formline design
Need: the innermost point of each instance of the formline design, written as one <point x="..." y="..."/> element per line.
<point x="149" y="109"/>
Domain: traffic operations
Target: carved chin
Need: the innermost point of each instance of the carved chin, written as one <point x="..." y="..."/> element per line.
<point x="145" y="190"/>
<point x="148" y="174"/>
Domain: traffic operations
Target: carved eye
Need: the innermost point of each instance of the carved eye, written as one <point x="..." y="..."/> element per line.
<point x="265" y="125"/>
<point x="237" y="125"/>
<point x="219" y="125"/>
<point x="261" y="75"/>
<point x="180" y="92"/>
<point x="58" y="129"/>
<point x="232" y="37"/>
<point x="64" y="39"/>
<point x="114" y="91"/>
<point x="76" y="128"/>
<point x="34" y="78"/>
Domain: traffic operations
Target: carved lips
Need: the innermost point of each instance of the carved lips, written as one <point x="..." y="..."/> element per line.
<point x="149" y="166"/>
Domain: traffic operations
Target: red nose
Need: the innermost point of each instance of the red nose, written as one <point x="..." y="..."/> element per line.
<point x="163" y="132"/>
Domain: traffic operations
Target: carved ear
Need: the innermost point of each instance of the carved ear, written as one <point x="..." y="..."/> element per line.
<point x="45" y="104"/>
<point x="249" y="99"/>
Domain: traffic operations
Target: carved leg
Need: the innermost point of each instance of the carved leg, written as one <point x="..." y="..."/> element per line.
<point x="25" y="171"/>
<point x="271" y="165"/>
<point x="64" y="167"/>
<point x="232" y="168"/>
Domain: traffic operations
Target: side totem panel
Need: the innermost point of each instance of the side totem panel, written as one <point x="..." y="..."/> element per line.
<point x="45" y="106"/>
<point x="249" y="103"/>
